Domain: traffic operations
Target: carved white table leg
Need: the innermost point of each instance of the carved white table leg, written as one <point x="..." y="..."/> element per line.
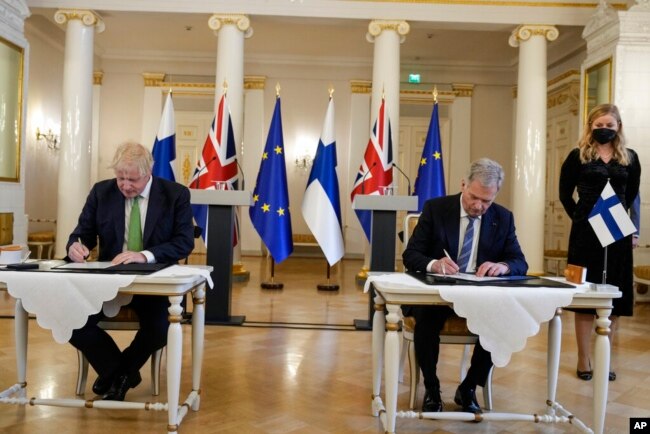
<point x="391" y="361"/>
<point x="601" y="368"/>
<point x="174" y="358"/>
<point x="198" y="331"/>
<point x="553" y="357"/>
<point x="378" y="330"/>
<point x="22" y="328"/>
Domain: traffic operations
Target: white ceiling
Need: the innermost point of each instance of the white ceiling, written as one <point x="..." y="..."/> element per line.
<point x="163" y="35"/>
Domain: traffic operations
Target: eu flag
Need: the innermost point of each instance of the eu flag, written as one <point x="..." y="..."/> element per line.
<point x="430" y="181"/>
<point x="270" y="210"/>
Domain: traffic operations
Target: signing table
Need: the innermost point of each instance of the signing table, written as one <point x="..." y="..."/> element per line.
<point x="62" y="302"/>
<point x="503" y="317"/>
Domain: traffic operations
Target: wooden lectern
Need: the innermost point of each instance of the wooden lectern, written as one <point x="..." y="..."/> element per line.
<point x="221" y="220"/>
<point x="382" y="236"/>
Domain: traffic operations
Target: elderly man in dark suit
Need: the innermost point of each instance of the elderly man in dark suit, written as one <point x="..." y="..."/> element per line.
<point x="480" y="237"/>
<point x="135" y="218"/>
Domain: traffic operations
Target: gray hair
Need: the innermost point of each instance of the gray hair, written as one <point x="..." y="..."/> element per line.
<point x="487" y="172"/>
<point x="131" y="153"/>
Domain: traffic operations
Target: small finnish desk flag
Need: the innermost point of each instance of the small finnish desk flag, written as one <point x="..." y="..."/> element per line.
<point x="609" y="219"/>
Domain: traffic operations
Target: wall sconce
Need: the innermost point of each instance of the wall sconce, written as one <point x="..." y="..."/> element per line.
<point x="50" y="138"/>
<point x="305" y="162"/>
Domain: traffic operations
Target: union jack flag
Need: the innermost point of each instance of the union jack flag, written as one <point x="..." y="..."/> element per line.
<point x="376" y="169"/>
<point x="218" y="162"/>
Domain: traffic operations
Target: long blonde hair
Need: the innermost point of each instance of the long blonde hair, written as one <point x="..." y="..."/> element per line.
<point x="588" y="146"/>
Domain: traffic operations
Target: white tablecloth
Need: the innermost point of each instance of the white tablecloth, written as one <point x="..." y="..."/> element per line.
<point x="63" y="302"/>
<point x="503" y="317"/>
<point x="185" y="270"/>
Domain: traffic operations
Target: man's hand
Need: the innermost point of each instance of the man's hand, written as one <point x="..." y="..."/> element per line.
<point x="78" y="252"/>
<point x="129" y="258"/>
<point x="492" y="269"/>
<point x="445" y="265"/>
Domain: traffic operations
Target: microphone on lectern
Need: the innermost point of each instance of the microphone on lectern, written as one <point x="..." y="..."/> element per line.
<point x="408" y="180"/>
<point x="363" y="178"/>
<point x="243" y="180"/>
<point x="198" y="174"/>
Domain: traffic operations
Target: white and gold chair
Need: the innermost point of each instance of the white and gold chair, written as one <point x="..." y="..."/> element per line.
<point x="126" y="319"/>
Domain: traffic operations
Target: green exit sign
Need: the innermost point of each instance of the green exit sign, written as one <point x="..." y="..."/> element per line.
<point x="414" y="78"/>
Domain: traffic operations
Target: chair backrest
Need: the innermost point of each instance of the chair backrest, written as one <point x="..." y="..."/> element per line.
<point x="410" y="221"/>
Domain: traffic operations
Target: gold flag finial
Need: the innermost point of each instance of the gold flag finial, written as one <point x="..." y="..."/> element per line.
<point x="277" y="90"/>
<point x="170" y="91"/>
<point x="225" y="85"/>
<point x="330" y="90"/>
<point x="383" y="93"/>
<point x="435" y="94"/>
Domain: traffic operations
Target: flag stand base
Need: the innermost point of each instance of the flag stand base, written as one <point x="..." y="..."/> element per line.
<point x="328" y="286"/>
<point x="272" y="285"/>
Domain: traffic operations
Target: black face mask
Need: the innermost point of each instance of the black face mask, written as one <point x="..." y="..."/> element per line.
<point x="603" y="135"/>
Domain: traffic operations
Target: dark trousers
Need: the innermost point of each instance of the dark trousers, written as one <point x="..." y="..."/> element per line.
<point x="429" y="321"/>
<point x="103" y="353"/>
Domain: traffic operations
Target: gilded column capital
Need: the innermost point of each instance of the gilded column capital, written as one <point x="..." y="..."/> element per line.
<point x="360" y="86"/>
<point x="401" y="27"/>
<point x="98" y="76"/>
<point x="153" y="79"/>
<point x="463" y="89"/>
<point x="526" y="31"/>
<point x="242" y="22"/>
<point x="254" y="82"/>
<point x="88" y="17"/>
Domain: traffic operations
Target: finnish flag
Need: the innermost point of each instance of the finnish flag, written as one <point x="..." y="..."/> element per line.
<point x="609" y="219"/>
<point x="321" y="205"/>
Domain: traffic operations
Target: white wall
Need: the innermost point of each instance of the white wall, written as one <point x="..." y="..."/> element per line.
<point x="492" y="132"/>
<point x="44" y="112"/>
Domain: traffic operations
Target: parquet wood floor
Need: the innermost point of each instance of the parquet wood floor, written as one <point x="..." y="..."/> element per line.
<point x="304" y="379"/>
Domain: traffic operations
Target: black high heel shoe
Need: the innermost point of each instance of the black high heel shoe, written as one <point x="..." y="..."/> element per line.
<point x="586" y="375"/>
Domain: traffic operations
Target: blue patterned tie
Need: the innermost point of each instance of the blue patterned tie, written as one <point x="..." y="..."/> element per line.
<point x="466" y="249"/>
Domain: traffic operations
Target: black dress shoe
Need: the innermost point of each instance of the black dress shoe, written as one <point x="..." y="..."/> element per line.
<point x="432" y="401"/>
<point x="118" y="389"/>
<point x="466" y="398"/>
<point x="102" y="384"/>
<point x="134" y="380"/>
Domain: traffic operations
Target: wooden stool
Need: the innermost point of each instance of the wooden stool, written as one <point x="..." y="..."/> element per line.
<point x="39" y="240"/>
<point x="557" y="256"/>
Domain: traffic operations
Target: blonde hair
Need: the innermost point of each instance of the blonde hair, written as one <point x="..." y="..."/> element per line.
<point x="587" y="144"/>
<point x="131" y="153"/>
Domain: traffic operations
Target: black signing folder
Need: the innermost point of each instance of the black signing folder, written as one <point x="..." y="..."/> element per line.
<point x="519" y="281"/>
<point x="107" y="268"/>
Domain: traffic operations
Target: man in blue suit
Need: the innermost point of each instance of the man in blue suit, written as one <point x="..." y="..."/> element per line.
<point x="480" y="237"/>
<point x="161" y="231"/>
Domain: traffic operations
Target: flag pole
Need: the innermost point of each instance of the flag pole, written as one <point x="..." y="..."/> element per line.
<point x="272" y="284"/>
<point x="328" y="286"/>
<point x="605" y="268"/>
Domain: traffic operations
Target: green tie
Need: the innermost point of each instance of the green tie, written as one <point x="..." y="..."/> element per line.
<point x="134" y="243"/>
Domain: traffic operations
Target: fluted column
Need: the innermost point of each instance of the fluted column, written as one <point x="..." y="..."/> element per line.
<point x="231" y="30"/>
<point x="387" y="35"/>
<point x="98" y="76"/>
<point x="528" y="176"/>
<point x="76" y="118"/>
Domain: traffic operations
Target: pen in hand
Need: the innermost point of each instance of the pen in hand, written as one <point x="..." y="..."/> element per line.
<point x="82" y="246"/>
<point x="448" y="257"/>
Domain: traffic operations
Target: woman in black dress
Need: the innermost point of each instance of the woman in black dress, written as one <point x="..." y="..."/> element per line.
<point x="601" y="156"/>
